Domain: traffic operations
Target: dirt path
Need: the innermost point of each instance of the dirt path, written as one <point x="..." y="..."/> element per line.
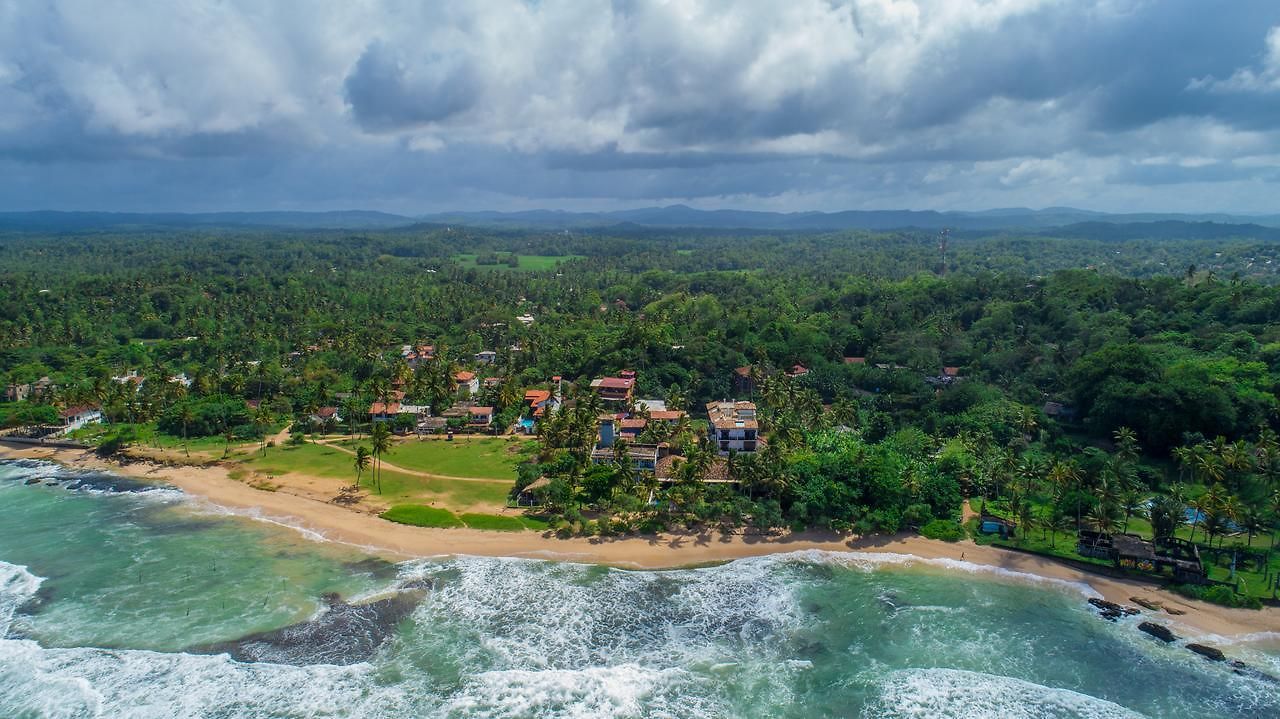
<point x="966" y="512"/>
<point x="282" y="436"/>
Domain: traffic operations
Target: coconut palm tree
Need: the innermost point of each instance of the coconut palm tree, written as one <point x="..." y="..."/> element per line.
<point x="361" y="462"/>
<point x="186" y="415"/>
<point x="380" y="440"/>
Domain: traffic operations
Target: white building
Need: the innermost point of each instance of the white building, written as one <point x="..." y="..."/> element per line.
<point x="74" y="418"/>
<point x="734" y="426"/>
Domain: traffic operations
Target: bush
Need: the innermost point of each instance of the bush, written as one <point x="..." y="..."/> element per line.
<point x="652" y="525"/>
<point x="1217" y="594"/>
<point x="917" y="515"/>
<point x="944" y="529"/>
<point x="422" y="516"/>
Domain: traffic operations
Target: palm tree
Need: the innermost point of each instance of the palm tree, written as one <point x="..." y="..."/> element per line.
<point x="1058" y="522"/>
<point x="352" y="408"/>
<point x="1131" y="501"/>
<point x="361" y="462"/>
<point x="262" y="420"/>
<point x="186" y="415"/>
<point x="380" y="440"/>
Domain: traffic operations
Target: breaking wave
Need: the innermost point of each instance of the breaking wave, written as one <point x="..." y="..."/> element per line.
<point x="935" y="693"/>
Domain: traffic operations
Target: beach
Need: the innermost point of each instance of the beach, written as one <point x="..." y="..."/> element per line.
<point x="308" y="513"/>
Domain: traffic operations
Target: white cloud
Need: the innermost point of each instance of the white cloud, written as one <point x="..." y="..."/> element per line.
<point x="1263" y="78"/>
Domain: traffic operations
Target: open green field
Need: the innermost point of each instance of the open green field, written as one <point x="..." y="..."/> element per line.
<point x="421" y="516"/>
<point x="489" y="458"/>
<point x="321" y="461"/>
<point x="527" y="263"/>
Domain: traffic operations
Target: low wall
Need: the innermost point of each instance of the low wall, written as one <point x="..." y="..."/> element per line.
<point x="45" y="442"/>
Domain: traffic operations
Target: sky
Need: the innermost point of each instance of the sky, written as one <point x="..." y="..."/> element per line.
<point x="418" y="107"/>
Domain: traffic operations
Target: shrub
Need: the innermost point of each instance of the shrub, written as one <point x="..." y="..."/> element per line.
<point x="944" y="529"/>
<point x="652" y="525"/>
<point x="1217" y="594"/>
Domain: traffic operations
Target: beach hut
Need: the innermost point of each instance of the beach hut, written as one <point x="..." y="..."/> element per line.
<point x="531" y="495"/>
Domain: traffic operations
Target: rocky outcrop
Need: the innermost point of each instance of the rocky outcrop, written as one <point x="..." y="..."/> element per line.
<point x="1159" y="631"/>
<point x="1213" y="654"/>
<point x="1110" y="610"/>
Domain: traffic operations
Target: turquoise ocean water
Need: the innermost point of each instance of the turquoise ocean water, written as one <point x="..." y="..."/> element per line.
<point x="121" y="600"/>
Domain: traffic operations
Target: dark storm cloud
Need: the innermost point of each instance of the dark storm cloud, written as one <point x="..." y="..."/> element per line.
<point x="797" y="105"/>
<point x="386" y="95"/>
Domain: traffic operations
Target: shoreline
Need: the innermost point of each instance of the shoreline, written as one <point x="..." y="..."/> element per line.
<point x="325" y="521"/>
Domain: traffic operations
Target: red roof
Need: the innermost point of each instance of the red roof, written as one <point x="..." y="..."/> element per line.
<point x="465" y="376"/>
<point x="798" y="369"/>
<point x="477" y="411"/>
<point x="536" y="396"/>
<point x="667" y="415"/>
<point x="614" y="382"/>
<point x="632" y="424"/>
<point x="77" y="410"/>
<point x="855" y="360"/>
<point x="380" y="408"/>
<point x="744" y="371"/>
<point x="951" y="371"/>
<point x="326" y="412"/>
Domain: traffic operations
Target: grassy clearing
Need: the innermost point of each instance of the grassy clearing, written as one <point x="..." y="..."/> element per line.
<point x="329" y="462"/>
<point x="490" y="458"/>
<point x="526" y="263"/>
<point x="422" y="516"/>
<point x="503" y="523"/>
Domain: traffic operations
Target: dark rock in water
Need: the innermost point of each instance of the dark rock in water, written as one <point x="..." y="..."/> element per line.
<point x="1245" y="670"/>
<point x="1110" y="610"/>
<point x="1211" y="653"/>
<point x="1159" y="631"/>
<point x="341" y="634"/>
<point x="33" y="480"/>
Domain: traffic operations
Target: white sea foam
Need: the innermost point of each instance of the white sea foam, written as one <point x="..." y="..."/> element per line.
<point x="936" y="693"/>
<point x="17" y="586"/>
<point x="870" y="561"/>
<point x="626" y="690"/>
<point x="139" y="684"/>
<point x="205" y="506"/>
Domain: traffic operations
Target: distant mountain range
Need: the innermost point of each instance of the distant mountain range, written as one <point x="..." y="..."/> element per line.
<point x="678" y="216"/>
<point x="48" y="220"/>
<point x="1052" y="220"/>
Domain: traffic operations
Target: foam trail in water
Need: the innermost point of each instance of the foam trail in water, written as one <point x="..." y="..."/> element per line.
<point x="937" y="693"/>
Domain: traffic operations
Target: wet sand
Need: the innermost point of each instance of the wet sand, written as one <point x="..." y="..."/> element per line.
<point x="310" y="512"/>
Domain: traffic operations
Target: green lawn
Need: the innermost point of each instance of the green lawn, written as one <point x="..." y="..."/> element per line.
<point x="321" y="461"/>
<point x="490" y="458"/>
<point x="421" y="516"/>
<point x="526" y="263"/>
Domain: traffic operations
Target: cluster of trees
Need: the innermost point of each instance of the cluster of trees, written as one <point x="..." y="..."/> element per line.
<point x="1172" y="341"/>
